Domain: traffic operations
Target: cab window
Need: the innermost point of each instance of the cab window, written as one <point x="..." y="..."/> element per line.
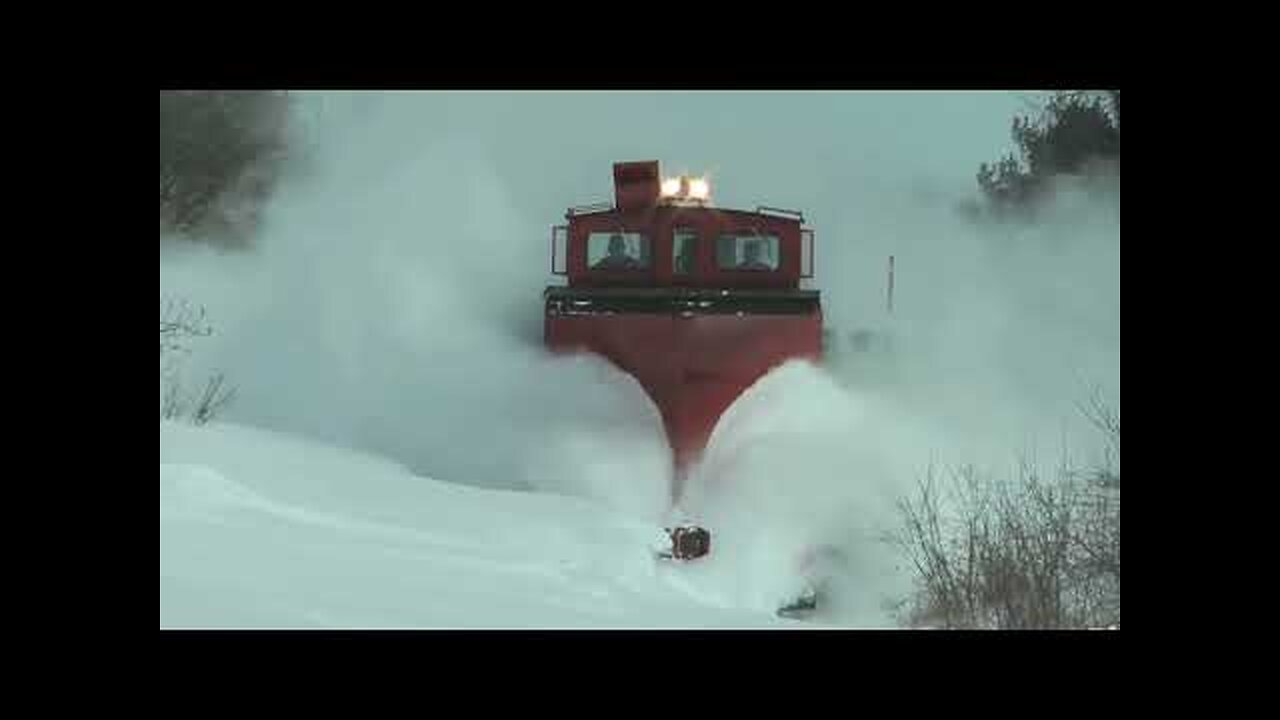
<point x="684" y="250"/>
<point x="747" y="251"/>
<point x="618" y="251"/>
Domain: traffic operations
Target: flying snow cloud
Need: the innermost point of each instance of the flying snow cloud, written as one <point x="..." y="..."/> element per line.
<point x="392" y="302"/>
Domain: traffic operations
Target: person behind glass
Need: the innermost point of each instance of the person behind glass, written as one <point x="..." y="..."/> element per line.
<point x="751" y="257"/>
<point x="617" y="259"/>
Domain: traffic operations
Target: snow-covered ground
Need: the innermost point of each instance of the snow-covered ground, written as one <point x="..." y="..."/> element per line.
<point x="259" y="529"/>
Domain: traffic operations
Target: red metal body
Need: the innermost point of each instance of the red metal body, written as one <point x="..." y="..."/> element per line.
<point x="694" y="332"/>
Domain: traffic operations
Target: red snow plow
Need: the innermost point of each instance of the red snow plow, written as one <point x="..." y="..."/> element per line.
<point x="695" y="301"/>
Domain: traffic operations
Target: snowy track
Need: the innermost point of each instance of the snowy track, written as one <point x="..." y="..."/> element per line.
<point x="263" y="530"/>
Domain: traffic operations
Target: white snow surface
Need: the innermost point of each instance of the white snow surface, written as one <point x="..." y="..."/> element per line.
<point x="264" y="530"/>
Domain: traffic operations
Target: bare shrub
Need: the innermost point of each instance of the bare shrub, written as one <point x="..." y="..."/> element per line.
<point x="181" y="324"/>
<point x="1033" y="553"/>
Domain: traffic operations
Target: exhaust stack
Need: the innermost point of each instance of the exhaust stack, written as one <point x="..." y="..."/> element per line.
<point x="636" y="185"/>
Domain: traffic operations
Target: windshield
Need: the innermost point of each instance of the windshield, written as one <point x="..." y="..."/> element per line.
<point x="747" y="251"/>
<point x="617" y="251"/>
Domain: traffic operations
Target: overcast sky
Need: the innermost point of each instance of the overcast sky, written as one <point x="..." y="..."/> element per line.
<point x="809" y="150"/>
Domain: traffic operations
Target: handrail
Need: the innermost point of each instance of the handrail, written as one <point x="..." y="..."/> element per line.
<point x="592" y="208"/>
<point x="762" y="209"/>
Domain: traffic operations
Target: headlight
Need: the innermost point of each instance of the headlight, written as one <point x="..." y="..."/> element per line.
<point x="685" y="187"/>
